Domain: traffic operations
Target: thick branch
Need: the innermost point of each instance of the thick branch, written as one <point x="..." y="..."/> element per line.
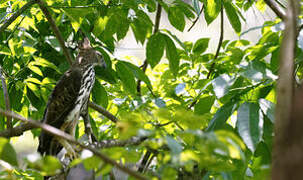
<point x="56" y="31"/>
<point x="276" y="8"/>
<point x="61" y="134"/>
<point x="16" y="131"/>
<point x="16" y="15"/>
<point x="156" y="29"/>
<point x="6" y="99"/>
<point x="103" y="111"/>
<point x="285" y="94"/>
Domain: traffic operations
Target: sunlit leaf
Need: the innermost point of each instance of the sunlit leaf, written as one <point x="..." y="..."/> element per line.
<point x="250" y="124"/>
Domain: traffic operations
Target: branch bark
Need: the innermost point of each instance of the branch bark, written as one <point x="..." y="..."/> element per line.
<point x="103" y="111"/>
<point x="283" y="145"/>
<point x="6" y="99"/>
<point x="121" y="143"/>
<point x="219" y="44"/>
<point x="61" y="134"/>
<point x="276" y="8"/>
<point x="56" y="31"/>
<point x="16" y="15"/>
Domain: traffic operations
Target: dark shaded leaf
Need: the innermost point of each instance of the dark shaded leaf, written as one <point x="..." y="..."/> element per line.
<point x="155" y="49"/>
<point x="204" y="105"/>
<point x="127" y="78"/>
<point x="99" y="94"/>
<point x="200" y="46"/>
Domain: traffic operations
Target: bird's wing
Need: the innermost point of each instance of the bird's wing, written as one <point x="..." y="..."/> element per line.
<point x="60" y="103"/>
<point x="63" y="98"/>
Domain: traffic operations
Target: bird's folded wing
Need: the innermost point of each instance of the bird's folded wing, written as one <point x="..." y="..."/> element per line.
<point x="63" y="98"/>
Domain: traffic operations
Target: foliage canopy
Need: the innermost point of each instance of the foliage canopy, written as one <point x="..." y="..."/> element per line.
<point x="205" y="114"/>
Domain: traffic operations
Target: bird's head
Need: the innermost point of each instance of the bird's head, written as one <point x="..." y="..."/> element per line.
<point x="88" y="55"/>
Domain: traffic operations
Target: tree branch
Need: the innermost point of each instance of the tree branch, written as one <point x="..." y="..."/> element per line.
<point x="16" y="15"/>
<point x="56" y="31"/>
<point x="285" y="93"/>
<point x="121" y="143"/>
<point x="6" y="99"/>
<point x="276" y="8"/>
<point x="61" y="134"/>
<point x="219" y="44"/>
<point x="156" y="29"/>
<point x="103" y="111"/>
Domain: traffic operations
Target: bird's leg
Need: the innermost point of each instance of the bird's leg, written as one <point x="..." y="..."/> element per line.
<point x="71" y="151"/>
<point x="88" y="128"/>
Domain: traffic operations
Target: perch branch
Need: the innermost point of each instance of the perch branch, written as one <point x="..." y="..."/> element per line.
<point x="16" y="15"/>
<point x="61" y="134"/>
<point x="276" y="8"/>
<point x="156" y="29"/>
<point x="56" y="31"/>
<point x="6" y="100"/>
<point x="103" y="111"/>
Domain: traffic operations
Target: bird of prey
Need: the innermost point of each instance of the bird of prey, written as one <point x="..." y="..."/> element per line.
<point x="69" y="99"/>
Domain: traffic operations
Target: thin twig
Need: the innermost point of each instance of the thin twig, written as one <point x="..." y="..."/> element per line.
<point x="103" y="111"/>
<point x="196" y="20"/>
<point x="56" y="31"/>
<point x="6" y="100"/>
<point x="121" y="143"/>
<point x="16" y="15"/>
<point x="61" y="134"/>
<point x="276" y="8"/>
<point x="219" y="44"/>
<point x="156" y="29"/>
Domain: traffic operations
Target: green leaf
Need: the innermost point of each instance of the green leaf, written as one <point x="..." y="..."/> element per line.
<point x="99" y="94"/>
<point x="250" y="124"/>
<point x="139" y="74"/>
<point x="221" y="85"/>
<point x="155" y="49"/>
<point x="7" y="152"/>
<point x="221" y="116"/>
<point x="211" y="10"/>
<point x="255" y="70"/>
<point x="204" y="105"/>
<point x="268" y="108"/>
<point x="172" y="55"/>
<point x="176" y="18"/>
<point x="233" y="17"/>
<point x="100" y="25"/>
<point x="92" y="163"/>
<point x="200" y="46"/>
<point x="127" y="78"/>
